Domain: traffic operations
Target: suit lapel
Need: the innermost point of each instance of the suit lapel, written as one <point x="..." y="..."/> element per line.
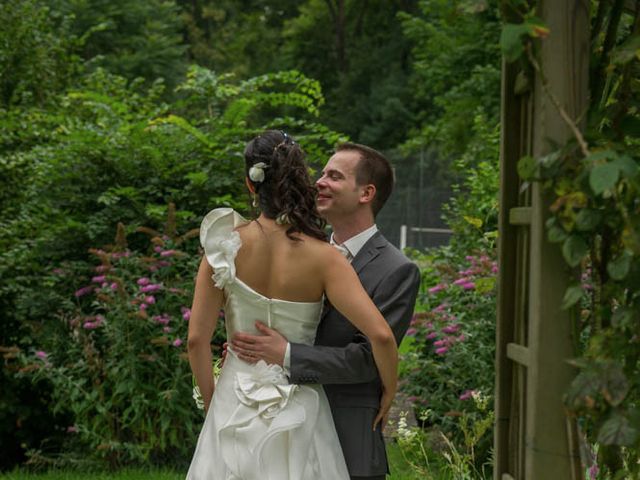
<point x="367" y="253"/>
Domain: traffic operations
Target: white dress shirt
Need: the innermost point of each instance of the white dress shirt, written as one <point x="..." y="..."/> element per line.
<point x="349" y="248"/>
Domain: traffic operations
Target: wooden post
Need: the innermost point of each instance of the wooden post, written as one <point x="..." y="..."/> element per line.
<point x="533" y="334"/>
<point x="564" y="61"/>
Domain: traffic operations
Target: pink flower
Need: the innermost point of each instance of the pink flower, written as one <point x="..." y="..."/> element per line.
<point x="142" y="281"/>
<point x="186" y="313"/>
<point x="432" y="335"/>
<point x="113" y="286"/>
<point x="440" y="343"/>
<point x="89" y="325"/>
<point x="167" y="253"/>
<point x="72" y="429"/>
<point x="163" y="263"/>
<point x="163" y="319"/>
<point x="440" y="308"/>
<point x="152" y="287"/>
<point x="461" y="338"/>
<point x="468" y="286"/>
<point x="150" y="299"/>
<point x="470" y="258"/>
<point x="451" y="329"/>
<point x="466" y="395"/>
<point x="143" y="306"/>
<point x="461" y="281"/>
<point x="157" y="249"/>
<point x="441" y="350"/>
<point x="101" y="268"/>
<point x="494" y="268"/>
<point x="593" y="471"/>
<point x="99" y="320"/>
<point x="167" y="329"/>
<point x="42" y="355"/>
<point x="437" y="288"/>
<point x="104" y="284"/>
<point x="177" y="342"/>
<point x="411" y="332"/>
<point x="121" y="254"/>
<point x="98" y="279"/>
<point x="58" y="271"/>
<point x="83" y="291"/>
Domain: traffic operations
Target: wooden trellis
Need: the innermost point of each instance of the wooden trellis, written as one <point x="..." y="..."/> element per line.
<point x="534" y="439"/>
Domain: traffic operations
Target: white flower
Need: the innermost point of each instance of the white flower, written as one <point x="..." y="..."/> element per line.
<point x="256" y="172"/>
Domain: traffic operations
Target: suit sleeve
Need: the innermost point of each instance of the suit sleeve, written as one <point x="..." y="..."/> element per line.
<point x="354" y="362"/>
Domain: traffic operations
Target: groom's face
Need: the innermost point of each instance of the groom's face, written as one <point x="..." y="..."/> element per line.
<point x="338" y="192"/>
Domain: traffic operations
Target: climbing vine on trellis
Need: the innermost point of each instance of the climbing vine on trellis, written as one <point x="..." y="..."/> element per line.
<point x="594" y="182"/>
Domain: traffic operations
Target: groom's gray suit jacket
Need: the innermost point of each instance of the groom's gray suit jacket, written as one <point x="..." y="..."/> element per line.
<point x="342" y="359"/>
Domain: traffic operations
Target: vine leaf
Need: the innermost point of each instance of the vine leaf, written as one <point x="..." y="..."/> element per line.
<point x="628" y="167"/>
<point x="527" y="167"/>
<point x="583" y="389"/>
<point x="626" y="52"/>
<point x="614" y="385"/>
<point x="574" y="250"/>
<point x="617" y="431"/>
<point x="572" y="296"/>
<point x="618" y="268"/>
<point x="587" y="219"/>
<point x="511" y="40"/>
<point x="603" y="177"/>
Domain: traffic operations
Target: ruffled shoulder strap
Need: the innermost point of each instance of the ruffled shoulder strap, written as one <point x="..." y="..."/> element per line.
<point x="221" y="243"/>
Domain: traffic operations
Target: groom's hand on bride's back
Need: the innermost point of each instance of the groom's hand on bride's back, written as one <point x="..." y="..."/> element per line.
<point x="269" y="346"/>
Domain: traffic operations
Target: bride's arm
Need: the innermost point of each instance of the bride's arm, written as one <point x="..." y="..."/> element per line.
<point x="346" y="294"/>
<point x="207" y="300"/>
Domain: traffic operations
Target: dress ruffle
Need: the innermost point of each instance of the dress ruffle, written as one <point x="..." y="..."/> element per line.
<point x="221" y="243"/>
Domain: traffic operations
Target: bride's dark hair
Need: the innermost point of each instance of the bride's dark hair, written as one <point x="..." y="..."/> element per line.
<point x="286" y="192"/>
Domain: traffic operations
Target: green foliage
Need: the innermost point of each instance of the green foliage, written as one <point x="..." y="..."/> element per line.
<point x="452" y="338"/>
<point x="36" y="59"/>
<point x="130" y="39"/>
<point x="594" y="183"/>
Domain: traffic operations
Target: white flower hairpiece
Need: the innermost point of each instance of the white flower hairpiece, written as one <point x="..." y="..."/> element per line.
<point x="256" y="172"/>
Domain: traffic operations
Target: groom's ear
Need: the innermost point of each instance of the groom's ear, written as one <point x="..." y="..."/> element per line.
<point x="367" y="193"/>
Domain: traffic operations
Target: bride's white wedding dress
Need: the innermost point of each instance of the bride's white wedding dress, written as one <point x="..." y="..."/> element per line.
<point x="258" y="425"/>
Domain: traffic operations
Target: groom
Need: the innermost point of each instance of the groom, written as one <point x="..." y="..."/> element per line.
<point x="354" y="186"/>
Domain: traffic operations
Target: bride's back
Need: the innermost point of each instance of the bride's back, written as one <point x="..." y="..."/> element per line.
<point x="276" y="266"/>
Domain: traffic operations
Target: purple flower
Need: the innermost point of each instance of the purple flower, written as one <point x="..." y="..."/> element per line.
<point x="411" y="332"/>
<point x="440" y="308"/>
<point x="177" y="342"/>
<point x="113" y="286"/>
<point x="89" y="325"/>
<point x="437" y="288"/>
<point x="142" y="281"/>
<point x="466" y="395"/>
<point x="167" y="253"/>
<point x="143" y="306"/>
<point x="83" y="291"/>
<point x="98" y="279"/>
<point x="101" y="268"/>
<point x="167" y="329"/>
<point x="432" y="335"/>
<point x="468" y="286"/>
<point x="494" y="268"/>
<point x="470" y="258"/>
<point x="157" y="249"/>
<point x="440" y="343"/>
<point x="593" y="471"/>
<point x="451" y="329"/>
<point x="441" y="350"/>
<point x="152" y="287"/>
<point x="42" y="355"/>
<point x="150" y="299"/>
<point x="461" y="281"/>
<point x="186" y="313"/>
<point x="163" y="319"/>
<point x="163" y="263"/>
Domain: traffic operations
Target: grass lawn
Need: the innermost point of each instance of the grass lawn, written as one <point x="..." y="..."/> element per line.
<point x="399" y="468"/>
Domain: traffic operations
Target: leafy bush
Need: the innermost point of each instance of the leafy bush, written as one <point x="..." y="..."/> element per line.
<point x="114" y="353"/>
<point x="450" y="352"/>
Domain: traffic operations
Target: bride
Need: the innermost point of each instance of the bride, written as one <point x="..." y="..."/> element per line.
<point x="277" y="269"/>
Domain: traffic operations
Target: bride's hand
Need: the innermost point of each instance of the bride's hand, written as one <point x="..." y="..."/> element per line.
<point x="383" y="414"/>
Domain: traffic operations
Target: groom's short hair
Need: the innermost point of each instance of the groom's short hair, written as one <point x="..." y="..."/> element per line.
<point x="373" y="168"/>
